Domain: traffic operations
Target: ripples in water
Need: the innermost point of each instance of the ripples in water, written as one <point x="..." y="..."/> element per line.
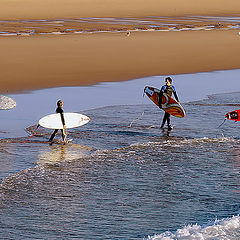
<point x="116" y="182"/>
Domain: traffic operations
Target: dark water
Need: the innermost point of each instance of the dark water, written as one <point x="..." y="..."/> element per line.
<point x="117" y="182"/>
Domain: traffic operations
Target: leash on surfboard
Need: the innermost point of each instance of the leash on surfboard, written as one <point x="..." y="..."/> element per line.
<point x="222" y="123"/>
<point x="130" y="125"/>
<point x="218" y="128"/>
<point x="34" y="132"/>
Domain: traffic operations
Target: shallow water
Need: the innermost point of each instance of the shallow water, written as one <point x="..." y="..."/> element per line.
<point x="32" y="106"/>
<point x="115" y="182"/>
<point x="119" y="182"/>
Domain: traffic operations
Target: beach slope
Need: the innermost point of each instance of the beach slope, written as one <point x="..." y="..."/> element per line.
<point x="54" y="59"/>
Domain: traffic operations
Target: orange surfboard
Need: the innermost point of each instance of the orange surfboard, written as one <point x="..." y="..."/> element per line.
<point x="169" y="104"/>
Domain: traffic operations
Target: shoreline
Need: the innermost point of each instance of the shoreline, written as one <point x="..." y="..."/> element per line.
<point x="32" y="106"/>
<point x="82" y="26"/>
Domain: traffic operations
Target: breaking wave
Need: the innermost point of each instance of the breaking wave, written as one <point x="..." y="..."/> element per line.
<point x="221" y="229"/>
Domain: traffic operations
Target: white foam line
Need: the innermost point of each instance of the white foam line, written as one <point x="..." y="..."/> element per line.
<point x="67" y="31"/>
<point x="220" y="229"/>
<point x="150" y="20"/>
<point x="8" y="34"/>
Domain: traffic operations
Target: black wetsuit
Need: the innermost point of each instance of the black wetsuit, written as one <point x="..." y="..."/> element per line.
<point x="59" y="110"/>
<point x="169" y="90"/>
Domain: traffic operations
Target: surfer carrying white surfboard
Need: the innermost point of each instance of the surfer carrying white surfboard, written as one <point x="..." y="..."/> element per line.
<point x="169" y="89"/>
<point x="59" y="110"/>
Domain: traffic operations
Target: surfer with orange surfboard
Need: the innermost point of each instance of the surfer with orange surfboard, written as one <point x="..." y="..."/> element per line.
<point x="169" y="90"/>
<point x="162" y="98"/>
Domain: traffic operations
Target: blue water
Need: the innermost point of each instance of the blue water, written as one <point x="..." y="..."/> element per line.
<point x="119" y="182"/>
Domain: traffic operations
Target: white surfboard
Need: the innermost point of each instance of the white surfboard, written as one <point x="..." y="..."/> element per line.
<point x="72" y="120"/>
<point x="6" y="103"/>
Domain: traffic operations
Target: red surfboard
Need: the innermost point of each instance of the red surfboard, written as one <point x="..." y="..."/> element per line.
<point x="169" y="104"/>
<point x="234" y="115"/>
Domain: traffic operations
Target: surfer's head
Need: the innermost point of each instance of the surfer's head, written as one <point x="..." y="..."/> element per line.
<point x="59" y="103"/>
<point x="168" y="81"/>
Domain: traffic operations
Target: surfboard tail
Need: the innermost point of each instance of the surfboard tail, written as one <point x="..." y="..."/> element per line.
<point x="176" y="111"/>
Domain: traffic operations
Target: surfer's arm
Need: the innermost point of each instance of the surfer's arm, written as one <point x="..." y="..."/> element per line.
<point x="176" y="97"/>
<point x="62" y="118"/>
<point x="59" y="110"/>
<point x="63" y="122"/>
<point x="175" y="94"/>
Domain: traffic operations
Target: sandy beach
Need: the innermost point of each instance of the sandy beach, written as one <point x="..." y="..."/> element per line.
<point x="40" y="50"/>
<point x="121" y="176"/>
<point x="26" y="9"/>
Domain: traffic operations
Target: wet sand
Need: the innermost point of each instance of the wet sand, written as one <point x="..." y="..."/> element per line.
<point x="73" y="60"/>
<point x="77" y="43"/>
<point x="30" y="9"/>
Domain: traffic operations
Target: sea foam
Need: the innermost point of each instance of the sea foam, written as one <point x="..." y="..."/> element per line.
<point x="221" y="229"/>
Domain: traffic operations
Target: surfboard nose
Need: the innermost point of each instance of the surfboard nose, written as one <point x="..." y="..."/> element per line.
<point x="233" y="115"/>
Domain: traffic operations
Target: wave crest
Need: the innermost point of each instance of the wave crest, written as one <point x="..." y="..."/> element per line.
<point x="221" y="229"/>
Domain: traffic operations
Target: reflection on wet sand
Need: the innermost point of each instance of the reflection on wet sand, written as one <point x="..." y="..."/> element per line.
<point x="57" y="154"/>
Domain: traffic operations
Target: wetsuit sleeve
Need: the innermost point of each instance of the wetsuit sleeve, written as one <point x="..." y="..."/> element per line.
<point x="62" y="118"/>
<point x="160" y="95"/>
<point x="59" y="110"/>
<point x="175" y="93"/>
